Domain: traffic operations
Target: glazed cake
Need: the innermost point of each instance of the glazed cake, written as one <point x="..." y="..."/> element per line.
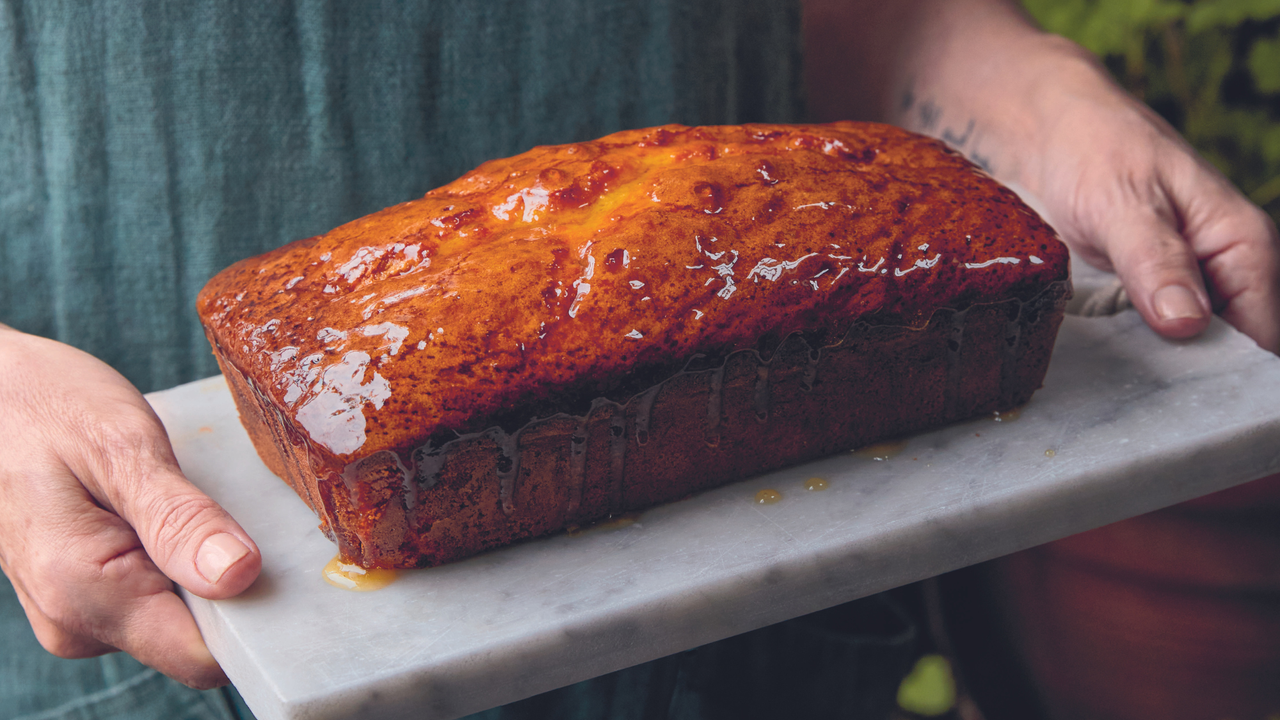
<point x="591" y="329"/>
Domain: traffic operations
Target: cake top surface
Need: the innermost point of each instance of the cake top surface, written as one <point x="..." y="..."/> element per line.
<point x="577" y="271"/>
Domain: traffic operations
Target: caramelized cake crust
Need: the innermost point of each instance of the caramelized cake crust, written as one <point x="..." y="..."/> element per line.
<point x="588" y="329"/>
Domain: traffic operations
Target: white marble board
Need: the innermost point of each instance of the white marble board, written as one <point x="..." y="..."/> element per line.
<point x="1134" y="423"/>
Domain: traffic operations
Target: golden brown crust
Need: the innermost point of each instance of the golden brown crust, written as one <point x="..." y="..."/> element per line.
<point x="542" y="283"/>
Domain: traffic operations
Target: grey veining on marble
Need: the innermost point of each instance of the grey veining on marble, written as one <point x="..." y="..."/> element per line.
<point x="1133" y="423"/>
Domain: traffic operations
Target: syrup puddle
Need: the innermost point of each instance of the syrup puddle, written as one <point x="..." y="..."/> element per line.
<point x="355" y="578"/>
<point x="1007" y="415"/>
<point x="768" y="496"/>
<point x="815" y="484"/>
<point x="882" y="451"/>
<point x="616" y="522"/>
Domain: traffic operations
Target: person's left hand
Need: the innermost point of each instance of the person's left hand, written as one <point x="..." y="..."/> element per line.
<point x="97" y="521"/>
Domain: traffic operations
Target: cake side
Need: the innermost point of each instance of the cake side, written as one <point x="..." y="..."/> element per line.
<point x="697" y="430"/>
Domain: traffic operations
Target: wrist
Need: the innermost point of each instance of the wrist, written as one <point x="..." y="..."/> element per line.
<point x="998" y="93"/>
<point x="971" y="79"/>
<point x="1070" y="102"/>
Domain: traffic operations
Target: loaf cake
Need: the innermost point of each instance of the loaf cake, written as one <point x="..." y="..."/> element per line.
<point x="591" y="329"/>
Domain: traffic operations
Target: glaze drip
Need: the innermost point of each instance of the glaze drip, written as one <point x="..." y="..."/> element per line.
<point x="408" y="481"/>
<point x="955" y="347"/>
<point x="349" y="576"/>
<point x="358" y="477"/>
<point x="761" y="397"/>
<point x="427" y="463"/>
<point x="811" y="370"/>
<point x="617" y="456"/>
<point x="508" y="467"/>
<point x="643" y="410"/>
<point x="577" y="462"/>
<point x="715" y="402"/>
<point x="1009" y="362"/>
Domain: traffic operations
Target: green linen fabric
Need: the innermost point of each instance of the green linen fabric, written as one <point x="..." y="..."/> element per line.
<point x="35" y="685"/>
<point x="146" y="144"/>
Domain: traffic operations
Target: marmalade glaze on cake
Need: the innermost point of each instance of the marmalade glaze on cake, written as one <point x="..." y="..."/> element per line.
<point x="612" y="308"/>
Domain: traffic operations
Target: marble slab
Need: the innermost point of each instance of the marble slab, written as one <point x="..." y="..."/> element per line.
<point x="1125" y="424"/>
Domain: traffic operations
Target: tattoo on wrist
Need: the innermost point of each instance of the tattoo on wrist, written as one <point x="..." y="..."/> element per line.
<point x="949" y="136"/>
<point x="926" y="116"/>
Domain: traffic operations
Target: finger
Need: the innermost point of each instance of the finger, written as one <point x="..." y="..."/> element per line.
<point x="1235" y="241"/>
<point x="158" y="630"/>
<point x="88" y="587"/>
<point x="54" y="638"/>
<point x="1245" y="278"/>
<point x="189" y="536"/>
<point x="1160" y="272"/>
<point x="1240" y="252"/>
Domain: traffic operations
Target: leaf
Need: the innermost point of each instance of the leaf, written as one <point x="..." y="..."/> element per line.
<point x="930" y="689"/>
<point x="1267" y="193"/>
<point x="1208" y="14"/>
<point x="1270" y="144"/>
<point x="1209" y="61"/>
<point x="1105" y="28"/>
<point x="1264" y="62"/>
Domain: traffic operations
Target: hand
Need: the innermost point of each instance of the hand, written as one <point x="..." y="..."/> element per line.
<point x="1117" y="182"/>
<point x="1129" y="195"/>
<point x="97" y="521"/>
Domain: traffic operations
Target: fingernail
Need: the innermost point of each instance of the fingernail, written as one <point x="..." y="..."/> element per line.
<point x="1175" y="302"/>
<point x="218" y="553"/>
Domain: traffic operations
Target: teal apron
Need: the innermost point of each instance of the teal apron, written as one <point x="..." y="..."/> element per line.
<point x="146" y="144"/>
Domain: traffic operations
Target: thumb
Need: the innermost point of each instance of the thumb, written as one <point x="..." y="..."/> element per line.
<point x="122" y="455"/>
<point x="189" y="536"/>
<point x="1160" y="272"/>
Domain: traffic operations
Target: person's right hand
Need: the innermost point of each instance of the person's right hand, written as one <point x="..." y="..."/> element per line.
<point x="1129" y="195"/>
<point x="1126" y="193"/>
<point x="97" y="522"/>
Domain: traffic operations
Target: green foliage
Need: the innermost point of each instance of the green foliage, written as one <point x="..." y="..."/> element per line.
<point x="1106" y="28"/>
<point x="1264" y="63"/>
<point x="1230" y="14"/>
<point x="929" y="689"/>
<point x="1210" y="67"/>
